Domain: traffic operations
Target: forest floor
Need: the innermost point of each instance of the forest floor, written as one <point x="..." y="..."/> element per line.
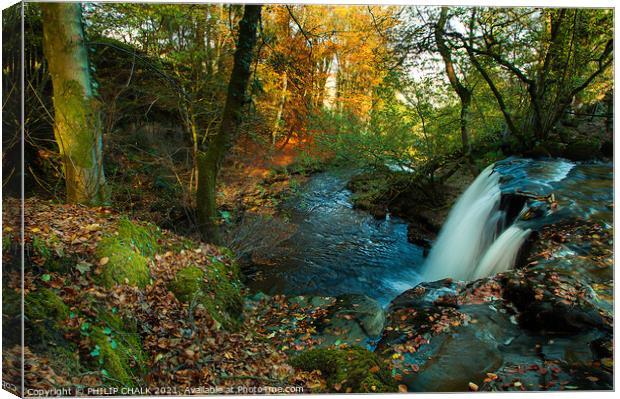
<point x="92" y="323"/>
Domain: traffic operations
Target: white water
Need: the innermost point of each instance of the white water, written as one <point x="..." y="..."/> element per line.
<point x="468" y="246"/>
<point x="502" y="254"/>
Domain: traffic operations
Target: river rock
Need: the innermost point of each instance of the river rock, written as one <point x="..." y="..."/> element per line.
<point x="551" y="302"/>
<point x="443" y="335"/>
<point x="353" y="319"/>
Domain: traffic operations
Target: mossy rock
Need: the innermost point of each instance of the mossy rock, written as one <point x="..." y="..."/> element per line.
<point x="144" y="238"/>
<point x="125" y="265"/>
<point x="50" y="251"/>
<point x="355" y="369"/>
<point x="127" y="252"/>
<point x="118" y="354"/>
<point x="44" y="312"/>
<point x="215" y="289"/>
<point x="45" y="304"/>
<point x="188" y="283"/>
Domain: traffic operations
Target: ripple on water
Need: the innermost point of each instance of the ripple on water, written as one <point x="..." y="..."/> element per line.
<point x="338" y="249"/>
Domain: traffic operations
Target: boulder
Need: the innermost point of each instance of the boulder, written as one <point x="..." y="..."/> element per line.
<point x="352" y="319"/>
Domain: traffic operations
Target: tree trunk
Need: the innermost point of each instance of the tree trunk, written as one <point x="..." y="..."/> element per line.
<point x="77" y="127"/>
<point x="210" y="160"/>
<point x="276" y="124"/>
<point x="463" y="92"/>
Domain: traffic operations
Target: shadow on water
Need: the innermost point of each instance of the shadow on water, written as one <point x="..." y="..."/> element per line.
<point x="339" y="250"/>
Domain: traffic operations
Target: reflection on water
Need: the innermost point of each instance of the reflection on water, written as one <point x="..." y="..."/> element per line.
<point x="338" y="249"/>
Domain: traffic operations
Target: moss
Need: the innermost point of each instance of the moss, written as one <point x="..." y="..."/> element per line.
<point x="144" y="238"/>
<point x="11" y="302"/>
<point x="50" y="250"/>
<point x="7" y="241"/>
<point x="227" y="302"/>
<point x="119" y="354"/>
<point x="44" y="313"/>
<point x="127" y="252"/>
<point x="353" y="368"/>
<point x="220" y="294"/>
<point x="125" y="265"/>
<point x="45" y="304"/>
<point x="187" y="283"/>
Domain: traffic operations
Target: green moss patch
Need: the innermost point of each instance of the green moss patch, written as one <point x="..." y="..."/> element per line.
<point x="188" y="283"/>
<point x="117" y="350"/>
<point x="11" y="302"/>
<point x="45" y="304"/>
<point x="144" y="238"/>
<point x="355" y="369"/>
<point x="127" y="253"/>
<point x="217" y="289"/>
<point x="124" y="266"/>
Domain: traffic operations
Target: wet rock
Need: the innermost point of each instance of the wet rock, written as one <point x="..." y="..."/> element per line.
<point x="424" y="295"/>
<point x="353" y="319"/>
<point x="459" y="358"/>
<point x="443" y="335"/>
<point x="550" y="302"/>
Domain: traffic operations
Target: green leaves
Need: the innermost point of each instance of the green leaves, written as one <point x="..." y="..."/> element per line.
<point x="96" y="351"/>
<point x="83" y="267"/>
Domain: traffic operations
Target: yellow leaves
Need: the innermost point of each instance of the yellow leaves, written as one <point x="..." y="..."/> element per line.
<point x="473" y="387"/>
<point x="490" y="377"/>
<point x="92" y="227"/>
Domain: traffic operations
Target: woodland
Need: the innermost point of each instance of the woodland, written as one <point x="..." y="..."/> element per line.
<point x="227" y="198"/>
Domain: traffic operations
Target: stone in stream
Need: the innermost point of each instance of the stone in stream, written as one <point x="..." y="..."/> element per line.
<point x="437" y="344"/>
<point x="553" y="302"/>
<point x="520" y="330"/>
<point x="353" y="319"/>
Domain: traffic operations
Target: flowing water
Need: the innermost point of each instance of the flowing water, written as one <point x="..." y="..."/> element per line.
<point x="484" y="232"/>
<point x="337" y="249"/>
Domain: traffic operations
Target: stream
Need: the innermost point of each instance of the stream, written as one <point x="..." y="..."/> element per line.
<point x="339" y="250"/>
<point x="544" y="326"/>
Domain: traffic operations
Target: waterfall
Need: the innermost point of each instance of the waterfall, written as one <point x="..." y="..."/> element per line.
<point x="502" y="254"/>
<point x="468" y="245"/>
